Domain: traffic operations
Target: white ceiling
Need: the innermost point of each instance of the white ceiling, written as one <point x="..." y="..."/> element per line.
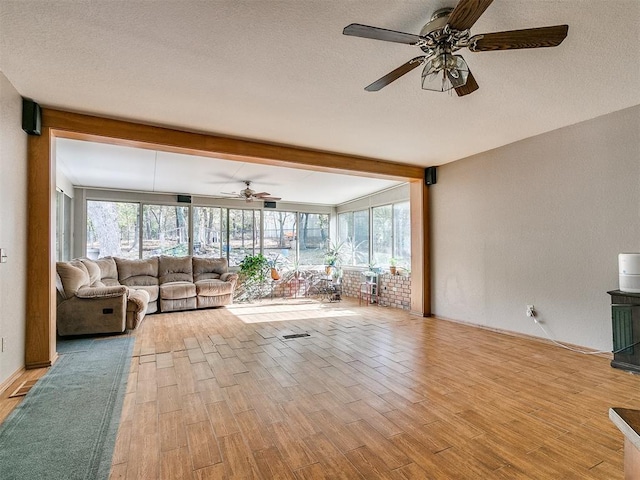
<point x="281" y="71"/>
<point x="126" y="168"/>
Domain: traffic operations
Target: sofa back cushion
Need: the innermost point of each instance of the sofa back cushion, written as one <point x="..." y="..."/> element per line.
<point x="175" y="269"/>
<point x="134" y="273"/>
<point x="108" y="271"/>
<point x="95" y="276"/>
<point x="209" y="268"/>
<point x="73" y="276"/>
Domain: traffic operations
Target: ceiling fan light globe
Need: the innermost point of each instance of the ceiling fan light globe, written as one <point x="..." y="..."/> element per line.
<point x="444" y="72"/>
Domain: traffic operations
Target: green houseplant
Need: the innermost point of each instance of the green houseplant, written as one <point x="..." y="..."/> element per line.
<point x="332" y="255"/>
<point x="254" y="271"/>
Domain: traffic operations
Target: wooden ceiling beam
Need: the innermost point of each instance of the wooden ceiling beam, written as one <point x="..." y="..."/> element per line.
<point x="119" y="132"/>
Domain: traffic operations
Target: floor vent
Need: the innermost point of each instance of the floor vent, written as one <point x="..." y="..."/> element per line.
<point x="295" y="335"/>
<point x="23" y="389"/>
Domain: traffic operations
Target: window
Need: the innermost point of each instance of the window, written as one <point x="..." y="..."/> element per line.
<point x="207" y="231"/>
<point x="165" y="230"/>
<point x="134" y="230"/>
<point x="243" y="234"/>
<point x="63" y="226"/>
<point x="361" y="237"/>
<point x="112" y="229"/>
<point x="382" y="234"/>
<point x="314" y="232"/>
<point x="345" y="226"/>
<point x="280" y="235"/>
<point x="353" y="228"/>
<point x="138" y="230"/>
<point x="402" y="234"/>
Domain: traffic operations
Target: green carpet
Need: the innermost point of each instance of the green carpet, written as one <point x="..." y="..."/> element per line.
<point x="66" y="427"/>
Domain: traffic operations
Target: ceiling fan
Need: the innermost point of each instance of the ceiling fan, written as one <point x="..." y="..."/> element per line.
<point x="249" y="195"/>
<point x="448" y="31"/>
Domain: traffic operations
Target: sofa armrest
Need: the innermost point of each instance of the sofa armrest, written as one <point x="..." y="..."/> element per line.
<point x="229" y="277"/>
<point x="101" y="292"/>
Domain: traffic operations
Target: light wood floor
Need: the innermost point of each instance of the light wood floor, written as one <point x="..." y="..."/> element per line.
<point x="7" y="404"/>
<point x="371" y="393"/>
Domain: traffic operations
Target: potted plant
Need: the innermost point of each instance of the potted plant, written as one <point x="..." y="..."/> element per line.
<point x="295" y="268"/>
<point x="275" y="264"/>
<point x="393" y="266"/>
<point x="254" y="270"/>
<point x="332" y="255"/>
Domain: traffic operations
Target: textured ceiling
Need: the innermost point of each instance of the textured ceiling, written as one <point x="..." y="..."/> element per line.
<point x="281" y="71"/>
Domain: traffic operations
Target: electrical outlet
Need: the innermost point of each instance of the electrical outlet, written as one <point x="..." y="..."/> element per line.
<point x="531" y="312"/>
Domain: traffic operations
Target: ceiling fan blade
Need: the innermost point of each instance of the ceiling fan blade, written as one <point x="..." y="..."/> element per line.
<point x="469" y="87"/>
<point x="261" y="194"/>
<point x="527" y="38"/>
<point x="270" y="198"/>
<point x="394" y="75"/>
<point x="466" y="13"/>
<point x="365" y="31"/>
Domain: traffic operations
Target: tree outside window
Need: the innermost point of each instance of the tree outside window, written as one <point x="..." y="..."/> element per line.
<point x="207" y="231"/>
<point x="244" y="234"/>
<point x="165" y="230"/>
<point x="280" y="235"/>
<point x="314" y="232"/>
<point x="112" y="229"/>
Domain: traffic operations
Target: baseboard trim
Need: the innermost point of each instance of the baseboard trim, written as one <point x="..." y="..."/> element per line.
<point x="12" y="378"/>
<point x="525" y="335"/>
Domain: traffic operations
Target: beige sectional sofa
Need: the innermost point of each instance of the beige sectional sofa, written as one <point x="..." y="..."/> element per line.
<point x="114" y="294"/>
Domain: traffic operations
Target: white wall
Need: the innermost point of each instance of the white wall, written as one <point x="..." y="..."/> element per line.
<point x="541" y="222"/>
<point x="13" y="229"/>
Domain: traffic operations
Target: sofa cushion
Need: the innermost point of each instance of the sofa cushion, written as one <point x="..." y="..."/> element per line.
<point x="190" y="303"/>
<point x="73" y="276"/>
<point x="108" y="271"/>
<point x="95" y="275"/>
<point x="135" y="273"/>
<point x="177" y="290"/>
<point x="213" y="287"/>
<point x="174" y="269"/>
<point x="209" y="268"/>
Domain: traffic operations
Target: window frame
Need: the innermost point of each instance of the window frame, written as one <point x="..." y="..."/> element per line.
<point x="146" y="199"/>
<point x="393" y="233"/>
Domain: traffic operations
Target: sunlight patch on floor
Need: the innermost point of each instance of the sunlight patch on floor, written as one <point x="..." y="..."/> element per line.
<point x="286" y="311"/>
